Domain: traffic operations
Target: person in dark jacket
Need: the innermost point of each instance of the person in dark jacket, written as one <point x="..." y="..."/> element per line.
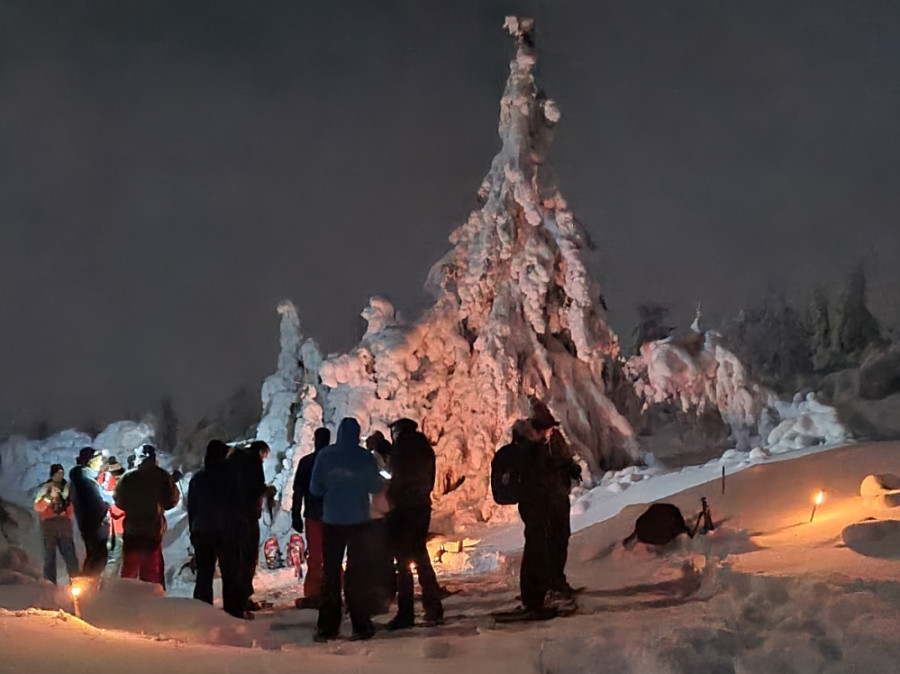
<point x="381" y="559"/>
<point x="344" y="477"/>
<point x="246" y="464"/>
<point x="54" y="508"/>
<point x="211" y="508"/>
<point x="91" y="510"/>
<point x="548" y="469"/>
<point x="409" y="495"/>
<point x="307" y="509"/>
<point x="145" y="493"/>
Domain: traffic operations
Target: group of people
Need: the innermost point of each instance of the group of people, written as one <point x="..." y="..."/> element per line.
<point x="373" y="505"/>
<point x="119" y="514"/>
<point x="369" y="504"/>
<point x="224" y="505"/>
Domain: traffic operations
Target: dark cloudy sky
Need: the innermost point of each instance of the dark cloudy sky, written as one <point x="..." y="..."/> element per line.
<point x="170" y="170"/>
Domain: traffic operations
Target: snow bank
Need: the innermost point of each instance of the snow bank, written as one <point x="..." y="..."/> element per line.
<point x="807" y="422"/>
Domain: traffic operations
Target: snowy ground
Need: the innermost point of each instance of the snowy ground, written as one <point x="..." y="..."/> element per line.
<point x="766" y="592"/>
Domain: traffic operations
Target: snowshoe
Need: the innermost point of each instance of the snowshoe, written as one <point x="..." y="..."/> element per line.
<point x="295" y="554"/>
<point x="522" y="614"/>
<point x="272" y="552"/>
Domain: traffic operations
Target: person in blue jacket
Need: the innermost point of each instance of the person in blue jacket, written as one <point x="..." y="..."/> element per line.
<point x="344" y="476"/>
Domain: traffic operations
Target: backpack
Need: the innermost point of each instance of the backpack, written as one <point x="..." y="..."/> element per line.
<point x="506" y="475"/>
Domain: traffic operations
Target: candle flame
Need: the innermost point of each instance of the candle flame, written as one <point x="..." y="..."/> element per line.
<point x="820" y="497"/>
<point x="76" y="591"/>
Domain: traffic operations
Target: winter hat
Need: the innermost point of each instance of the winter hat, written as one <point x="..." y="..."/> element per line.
<point x="541" y="418"/>
<point x="54" y="468"/>
<point x="114" y="467"/>
<point x="403" y="425"/>
<point x="258" y="447"/>
<point x="85" y="455"/>
<point x="216" y="451"/>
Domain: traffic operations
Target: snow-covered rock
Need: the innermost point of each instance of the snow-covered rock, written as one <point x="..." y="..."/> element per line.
<point x="807" y="422"/>
<point x="121" y="438"/>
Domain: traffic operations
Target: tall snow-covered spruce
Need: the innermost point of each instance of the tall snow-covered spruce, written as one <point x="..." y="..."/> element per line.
<point x="516" y="315"/>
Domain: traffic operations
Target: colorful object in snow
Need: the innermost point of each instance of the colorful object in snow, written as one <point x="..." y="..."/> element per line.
<point x="272" y="552"/>
<point x="296" y="551"/>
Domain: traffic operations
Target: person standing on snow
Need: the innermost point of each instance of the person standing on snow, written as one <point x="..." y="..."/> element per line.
<point x="91" y="510"/>
<point x="383" y="572"/>
<point x="55" y="510"/>
<point x="306" y="515"/>
<point x="108" y="481"/>
<point x="344" y="476"/>
<point x="246" y="465"/>
<point x="145" y="493"/>
<point x="547" y="471"/>
<point x="211" y="503"/>
<point x="409" y="495"/>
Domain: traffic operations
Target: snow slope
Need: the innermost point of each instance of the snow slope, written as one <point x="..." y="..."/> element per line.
<point x="766" y="592"/>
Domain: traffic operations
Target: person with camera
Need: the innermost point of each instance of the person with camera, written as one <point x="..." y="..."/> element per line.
<point x="54" y="508"/>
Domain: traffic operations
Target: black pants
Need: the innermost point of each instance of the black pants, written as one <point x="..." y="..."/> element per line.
<point x="536" y="572"/>
<point x="95" y="550"/>
<point x="380" y="565"/>
<point x="58" y="534"/>
<point x="208" y="549"/>
<point x="559" y="532"/>
<point x="248" y="557"/>
<point x="335" y="540"/>
<point x="407" y="531"/>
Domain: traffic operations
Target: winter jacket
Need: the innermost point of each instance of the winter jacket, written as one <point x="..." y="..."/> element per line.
<point x="49" y="507"/>
<point x="145" y="493"/>
<point x="250" y="479"/>
<point x="108" y="483"/>
<point x="548" y="468"/>
<point x="212" y="500"/>
<point x="87" y="497"/>
<point x="343" y="476"/>
<point x="312" y="505"/>
<point x="412" y="471"/>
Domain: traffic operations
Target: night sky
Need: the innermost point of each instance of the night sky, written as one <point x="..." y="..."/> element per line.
<point x="170" y="170"/>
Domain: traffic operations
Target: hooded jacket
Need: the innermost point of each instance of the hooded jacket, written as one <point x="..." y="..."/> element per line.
<point x="212" y="498"/>
<point x="343" y="477"/>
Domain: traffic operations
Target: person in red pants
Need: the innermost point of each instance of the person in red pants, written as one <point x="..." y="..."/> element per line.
<point x="145" y="493"/>
<point x="306" y="514"/>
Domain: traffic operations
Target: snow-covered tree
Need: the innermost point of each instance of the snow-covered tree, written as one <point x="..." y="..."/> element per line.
<point x="515" y="315"/>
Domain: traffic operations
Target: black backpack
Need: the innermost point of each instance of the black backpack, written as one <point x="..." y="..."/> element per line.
<point x="506" y="475"/>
